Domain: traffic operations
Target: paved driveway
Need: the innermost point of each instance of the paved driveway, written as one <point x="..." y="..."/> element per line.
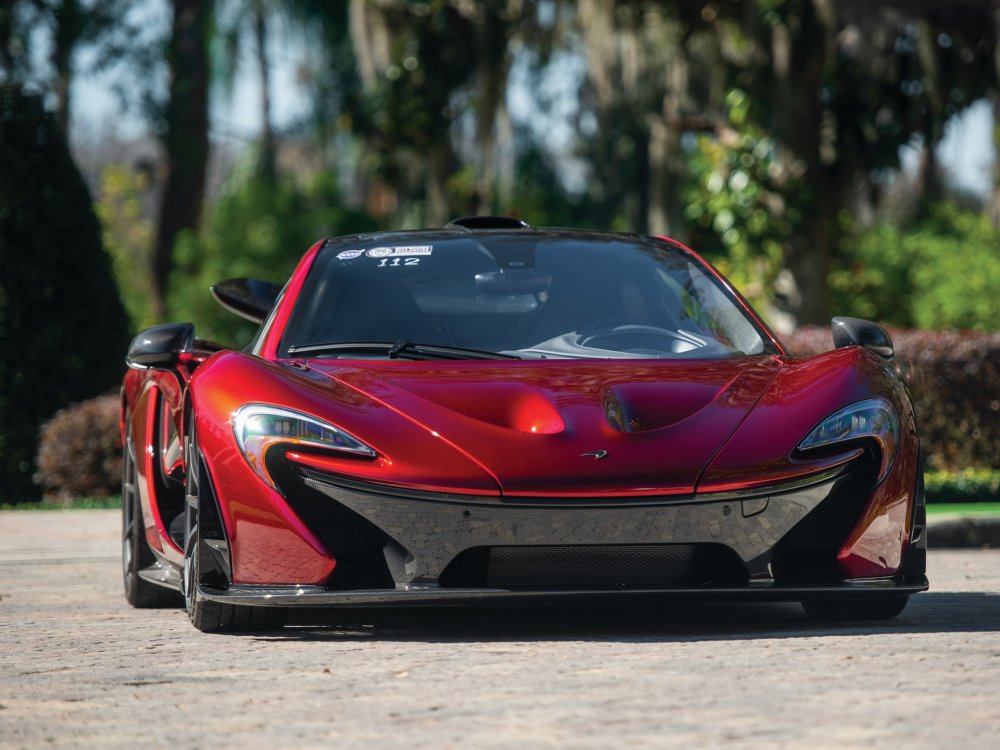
<point x="78" y="668"/>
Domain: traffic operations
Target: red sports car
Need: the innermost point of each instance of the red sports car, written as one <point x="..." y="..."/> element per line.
<point x="494" y="413"/>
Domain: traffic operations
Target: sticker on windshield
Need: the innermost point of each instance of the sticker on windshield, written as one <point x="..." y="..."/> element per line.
<point x="399" y="251"/>
<point x="349" y="254"/>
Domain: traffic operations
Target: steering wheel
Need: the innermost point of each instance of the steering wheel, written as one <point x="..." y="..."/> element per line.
<point x="618" y="327"/>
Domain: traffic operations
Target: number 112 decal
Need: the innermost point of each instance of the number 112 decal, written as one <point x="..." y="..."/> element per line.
<point x="393" y="262"/>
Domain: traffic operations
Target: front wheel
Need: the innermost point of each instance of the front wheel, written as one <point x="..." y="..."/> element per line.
<point x="209" y="616"/>
<point x="846" y="610"/>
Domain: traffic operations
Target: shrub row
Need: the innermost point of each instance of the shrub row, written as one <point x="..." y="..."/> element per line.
<point x="968" y="486"/>
<point x="954" y="379"/>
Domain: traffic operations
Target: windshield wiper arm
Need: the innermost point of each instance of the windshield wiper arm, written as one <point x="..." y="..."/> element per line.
<point x="401" y="349"/>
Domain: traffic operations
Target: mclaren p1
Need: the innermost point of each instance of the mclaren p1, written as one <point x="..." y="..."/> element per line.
<point x="493" y="413"/>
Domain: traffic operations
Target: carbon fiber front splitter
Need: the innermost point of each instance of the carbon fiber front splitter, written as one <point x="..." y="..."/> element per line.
<point x="317" y="596"/>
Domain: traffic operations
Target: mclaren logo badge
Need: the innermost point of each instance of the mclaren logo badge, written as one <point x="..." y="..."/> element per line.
<point x="598" y="455"/>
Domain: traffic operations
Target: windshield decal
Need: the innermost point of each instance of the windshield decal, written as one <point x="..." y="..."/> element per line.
<point x="399" y="251"/>
<point x="350" y="254"/>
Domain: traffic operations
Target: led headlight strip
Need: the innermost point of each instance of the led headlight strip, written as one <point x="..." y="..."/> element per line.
<point x="258" y="427"/>
<point x="874" y="418"/>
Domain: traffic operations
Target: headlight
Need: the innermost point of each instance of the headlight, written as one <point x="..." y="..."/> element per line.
<point x="874" y="418"/>
<point x="259" y="427"/>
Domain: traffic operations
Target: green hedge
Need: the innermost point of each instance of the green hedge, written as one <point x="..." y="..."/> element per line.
<point x="969" y="486"/>
<point x="954" y="379"/>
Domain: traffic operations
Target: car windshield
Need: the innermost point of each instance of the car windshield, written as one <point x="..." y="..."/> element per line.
<point x="522" y="293"/>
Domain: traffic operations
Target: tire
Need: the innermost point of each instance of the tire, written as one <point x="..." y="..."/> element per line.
<point x="208" y="616"/>
<point x="136" y="553"/>
<point x="846" y="610"/>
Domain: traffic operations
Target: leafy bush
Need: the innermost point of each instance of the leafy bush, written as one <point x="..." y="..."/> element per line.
<point x="80" y="450"/>
<point x="968" y="486"/>
<point x="255" y="230"/>
<point x="128" y="237"/>
<point x="736" y="203"/>
<point x="63" y="331"/>
<point x="954" y="379"/>
<point x="944" y="272"/>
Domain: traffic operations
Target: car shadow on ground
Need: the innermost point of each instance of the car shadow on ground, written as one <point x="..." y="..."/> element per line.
<point x="926" y="613"/>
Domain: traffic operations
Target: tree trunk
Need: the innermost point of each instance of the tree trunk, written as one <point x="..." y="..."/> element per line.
<point x="994" y="205"/>
<point x="69" y="24"/>
<point x="666" y="158"/>
<point x="185" y="140"/>
<point x="799" y="55"/>
<point x="439" y="167"/>
<point x="6" y="33"/>
<point x="931" y="188"/>
<point x="268" y="149"/>
<point x="491" y="77"/>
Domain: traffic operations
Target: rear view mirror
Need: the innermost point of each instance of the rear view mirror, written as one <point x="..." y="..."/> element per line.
<point x="249" y="298"/>
<point x="158" y="348"/>
<point x="513" y="281"/>
<point x="858" y="332"/>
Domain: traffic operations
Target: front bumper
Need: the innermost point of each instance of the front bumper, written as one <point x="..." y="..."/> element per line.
<point x="317" y="596"/>
<point x="421" y="548"/>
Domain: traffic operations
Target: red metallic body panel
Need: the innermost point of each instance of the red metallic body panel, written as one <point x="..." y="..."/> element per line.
<point x="805" y="392"/>
<point x="142" y="395"/>
<point x="878" y="543"/>
<point x="268" y="542"/>
<point x="528" y="423"/>
<point x="268" y="346"/>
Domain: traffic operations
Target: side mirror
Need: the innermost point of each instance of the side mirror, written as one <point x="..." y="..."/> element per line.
<point x="158" y="348"/>
<point x="858" y="332"/>
<point x="249" y="298"/>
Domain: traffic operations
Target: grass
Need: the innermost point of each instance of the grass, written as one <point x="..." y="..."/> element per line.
<point x="76" y="503"/>
<point x="964" y="508"/>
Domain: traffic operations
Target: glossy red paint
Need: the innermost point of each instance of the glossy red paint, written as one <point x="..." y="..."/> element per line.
<point x="659" y="422"/>
<point x="878" y="543"/>
<point x="268" y="346"/>
<point x="804" y="393"/>
<point x="519" y="429"/>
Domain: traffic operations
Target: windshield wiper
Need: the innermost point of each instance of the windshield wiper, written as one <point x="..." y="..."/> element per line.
<point x="401" y="349"/>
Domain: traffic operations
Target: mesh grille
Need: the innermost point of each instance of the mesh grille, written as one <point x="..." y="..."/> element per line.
<point x="603" y="566"/>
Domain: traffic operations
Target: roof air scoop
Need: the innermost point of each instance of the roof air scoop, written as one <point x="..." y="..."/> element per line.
<point x="472" y="223"/>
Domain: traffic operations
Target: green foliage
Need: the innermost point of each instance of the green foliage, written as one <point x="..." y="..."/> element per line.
<point x="538" y="198"/>
<point x="63" y="329"/>
<point x="255" y="230"/>
<point x="73" y="503"/>
<point x="968" y="486"/>
<point x="128" y="236"/>
<point x="942" y="273"/>
<point x="735" y="204"/>
<point x="80" y="450"/>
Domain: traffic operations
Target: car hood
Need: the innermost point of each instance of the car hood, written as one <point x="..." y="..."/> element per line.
<point x="572" y="428"/>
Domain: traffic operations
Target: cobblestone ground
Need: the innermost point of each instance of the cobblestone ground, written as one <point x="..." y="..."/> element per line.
<point x="78" y="668"/>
